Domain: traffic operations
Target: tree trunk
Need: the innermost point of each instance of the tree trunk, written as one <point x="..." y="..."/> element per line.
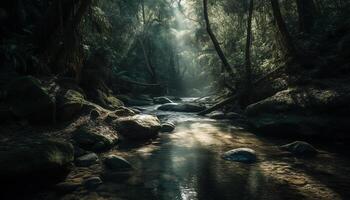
<point x="248" y="71"/>
<point x="145" y="45"/>
<point x="286" y="38"/>
<point x="70" y="38"/>
<point x="306" y="12"/>
<point x="216" y="44"/>
<point x="150" y="67"/>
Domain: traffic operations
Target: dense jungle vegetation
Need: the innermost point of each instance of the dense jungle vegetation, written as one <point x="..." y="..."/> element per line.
<point x="97" y="95"/>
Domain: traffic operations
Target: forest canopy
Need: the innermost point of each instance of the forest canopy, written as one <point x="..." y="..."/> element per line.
<point x="165" y="41"/>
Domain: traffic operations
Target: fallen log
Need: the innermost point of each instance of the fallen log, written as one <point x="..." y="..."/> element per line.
<point x="218" y="105"/>
<point x="233" y="98"/>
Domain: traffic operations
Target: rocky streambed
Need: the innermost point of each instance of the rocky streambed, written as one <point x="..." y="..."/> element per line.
<point x="193" y="161"/>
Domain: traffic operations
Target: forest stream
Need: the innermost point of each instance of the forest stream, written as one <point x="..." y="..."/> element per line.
<point x="90" y="105"/>
<point x="187" y="164"/>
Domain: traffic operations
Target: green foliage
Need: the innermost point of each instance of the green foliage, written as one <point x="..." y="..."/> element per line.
<point x="167" y="37"/>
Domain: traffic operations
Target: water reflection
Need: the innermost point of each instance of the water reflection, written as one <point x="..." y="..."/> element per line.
<point x="187" y="165"/>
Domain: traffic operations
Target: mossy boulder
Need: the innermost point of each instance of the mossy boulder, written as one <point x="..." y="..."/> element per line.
<point x="113" y="102"/>
<point x="28" y="100"/>
<point x="69" y="104"/>
<point x="305" y="99"/>
<point x="36" y="161"/>
<point x="93" y="139"/>
<point x="138" y="127"/>
<point x="304" y="111"/>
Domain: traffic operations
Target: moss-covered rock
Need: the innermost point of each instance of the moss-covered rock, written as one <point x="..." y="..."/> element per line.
<point x="28" y="100"/>
<point x="303" y="111"/>
<point x="69" y="104"/>
<point x="300" y="100"/>
<point x="36" y="161"/>
<point x="94" y="140"/>
<point x="113" y="102"/>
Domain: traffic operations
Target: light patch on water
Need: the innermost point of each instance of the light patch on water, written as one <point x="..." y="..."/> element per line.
<point x="147" y="150"/>
<point x="189" y="191"/>
<point x="197" y="134"/>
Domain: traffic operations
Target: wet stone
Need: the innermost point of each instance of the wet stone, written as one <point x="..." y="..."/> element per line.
<point x="244" y="155"/>
<point x="117" y="163"/>
<point x="300" y="148"/>
<point x="167" y="127"/>
<point x="87" y="160"/>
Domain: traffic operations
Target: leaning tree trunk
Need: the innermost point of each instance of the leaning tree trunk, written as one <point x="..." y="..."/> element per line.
<point x="216" y="44"/>
<point x="306" y="13"/>
<point x="245" y="99"/>
<point x="286" y="38"/>
<point x="146" y="47"/>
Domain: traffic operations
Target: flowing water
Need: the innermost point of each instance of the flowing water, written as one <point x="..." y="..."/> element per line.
<point x="186" y="164"/>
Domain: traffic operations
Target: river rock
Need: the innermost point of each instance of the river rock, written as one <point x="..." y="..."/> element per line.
<point x="244" y="155"/>
<point x="167" y="127"/>
<point x="92" y="140"/>
<point x="300" y="148"/>
<point x="87" y="160"/>
<point x="113" y="102"/>
<point x="138" y="127"/>
<point x="181" y="107"/>
<point x="161" y="100"/>
<point x="69" y="104"/>
<point x="39" y="161"/>
<point x="28" y="100"/>
<point x="92" y="182"/>
<point x="117" y="163"/>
